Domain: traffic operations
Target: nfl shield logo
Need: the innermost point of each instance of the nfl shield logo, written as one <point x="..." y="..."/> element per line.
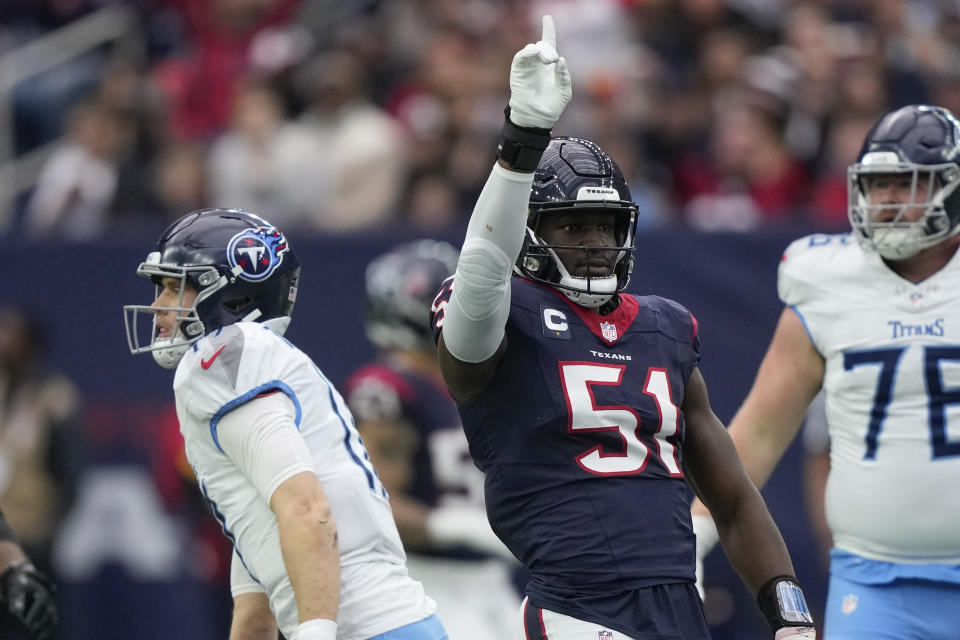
<point x="604" y="635"/>
<point x="609" y="332"/>
<point x="849" y="603"/>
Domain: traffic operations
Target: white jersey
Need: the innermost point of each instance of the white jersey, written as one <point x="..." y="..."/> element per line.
<point x="892" y="382"/>
<point x="236" y="364"/>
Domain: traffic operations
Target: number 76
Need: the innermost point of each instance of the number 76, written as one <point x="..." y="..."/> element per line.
<point x="938" y="397"/>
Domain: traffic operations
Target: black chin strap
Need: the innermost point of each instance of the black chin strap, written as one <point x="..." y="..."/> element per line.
<point x="610" y="305"/>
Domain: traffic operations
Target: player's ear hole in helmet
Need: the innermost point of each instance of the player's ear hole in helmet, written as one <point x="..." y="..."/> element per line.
<point x="241" y="268"/>
<point x="576" y="177"/>
<point x="916" y="148"/>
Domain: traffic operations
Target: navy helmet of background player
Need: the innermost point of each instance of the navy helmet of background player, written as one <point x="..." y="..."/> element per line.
<point x="254" y="279"/>
<point x="920" y="144"/>
<point x="587" y="471"/>
<point x="399" y="287"/>
<point x="575" y="176"/>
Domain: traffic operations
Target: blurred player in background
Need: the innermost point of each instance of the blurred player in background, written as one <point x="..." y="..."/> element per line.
<point x="25" y="592"/>
<point x="42" y="443"/>
<point x="412" y="431"/>
<point x="272" y="443"/>
<point x="873" y="318"/>
<point x="583" y="405"/>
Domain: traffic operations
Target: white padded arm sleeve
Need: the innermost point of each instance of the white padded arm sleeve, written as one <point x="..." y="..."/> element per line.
<point x="260" y="437"/>
<point x="480" y="303"/>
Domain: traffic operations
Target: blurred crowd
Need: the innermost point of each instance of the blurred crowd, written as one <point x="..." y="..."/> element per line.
<point x="334" y="116"/>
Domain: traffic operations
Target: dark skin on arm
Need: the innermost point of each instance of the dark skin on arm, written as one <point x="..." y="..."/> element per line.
<point x="713" y="469"/>
<point x="467" y="380"/>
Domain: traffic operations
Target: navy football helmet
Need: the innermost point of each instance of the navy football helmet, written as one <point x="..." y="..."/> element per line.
<point x="576" y="175"/>
<point x="241" y="267"/>
<point x="399" y="290"/>
<point x="919" y="144"/>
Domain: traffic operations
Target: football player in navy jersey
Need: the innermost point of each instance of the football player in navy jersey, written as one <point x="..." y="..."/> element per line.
<point x="584" y="406"/>
<point x="871" y="318"/>
<point x="412" y="431"/>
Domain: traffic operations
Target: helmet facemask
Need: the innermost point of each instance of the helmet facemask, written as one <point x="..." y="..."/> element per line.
<point x="168" y="351"/>
<point x="541" y="261"/>
<point x="894" y="230"/>
<point x="577" y="180"/>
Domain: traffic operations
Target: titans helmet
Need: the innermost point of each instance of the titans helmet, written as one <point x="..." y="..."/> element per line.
<point x="400" y="286"/>
<point x="576" y="176"/>
<point x="241" y="267"/>
<point x="916" y="146"/>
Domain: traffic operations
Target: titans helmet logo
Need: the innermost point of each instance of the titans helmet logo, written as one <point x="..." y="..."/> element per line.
<point x="256" y="253"/>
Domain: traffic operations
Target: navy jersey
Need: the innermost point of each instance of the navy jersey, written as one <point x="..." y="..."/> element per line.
<point x="442" y="472"/>
<point x="579" y="434"/>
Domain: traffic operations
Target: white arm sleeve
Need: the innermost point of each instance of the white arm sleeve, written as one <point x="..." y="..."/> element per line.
<point x="480" y="303"/>
<point x="260" y="437"/>
<point x="240" y="579"/>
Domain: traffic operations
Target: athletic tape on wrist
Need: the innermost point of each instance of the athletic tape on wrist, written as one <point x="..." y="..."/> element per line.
<point x="317" y="629"/>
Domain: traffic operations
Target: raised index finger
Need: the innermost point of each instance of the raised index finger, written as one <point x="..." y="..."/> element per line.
<point x="549" y="31"/>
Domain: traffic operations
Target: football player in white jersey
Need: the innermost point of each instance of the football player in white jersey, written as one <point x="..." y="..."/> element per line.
<point x="874" y="318"/>
<point x="272" y="443"/>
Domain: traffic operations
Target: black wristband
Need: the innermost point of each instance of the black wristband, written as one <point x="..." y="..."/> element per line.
<point x="521" y="147"/>
<point x="782" y="603"/>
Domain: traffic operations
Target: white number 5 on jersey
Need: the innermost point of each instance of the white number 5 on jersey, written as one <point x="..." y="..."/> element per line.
<point x="578" y="380"/>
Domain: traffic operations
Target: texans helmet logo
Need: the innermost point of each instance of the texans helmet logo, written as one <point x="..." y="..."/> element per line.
<point x="254" y="254"/>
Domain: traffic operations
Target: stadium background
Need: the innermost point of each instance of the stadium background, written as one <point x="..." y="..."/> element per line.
<point x="146" y="568"/>
<point x="357" y="124"/>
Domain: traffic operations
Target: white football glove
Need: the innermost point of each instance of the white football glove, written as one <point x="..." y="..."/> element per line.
<point x="539" y="82"/>
<point x="707" y="538"/>
<point x="796" y="633"/>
